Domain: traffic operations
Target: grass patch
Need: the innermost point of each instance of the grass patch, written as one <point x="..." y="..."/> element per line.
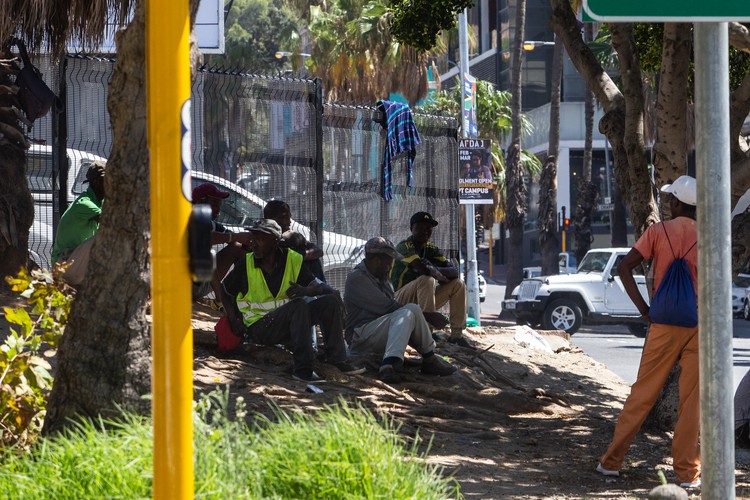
<point x="341" y="452"/>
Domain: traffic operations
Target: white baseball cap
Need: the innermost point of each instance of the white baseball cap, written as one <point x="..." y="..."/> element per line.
<point x="683" y="188"/>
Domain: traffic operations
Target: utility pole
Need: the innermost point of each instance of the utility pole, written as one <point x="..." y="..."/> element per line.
<point x="472" y="276"/>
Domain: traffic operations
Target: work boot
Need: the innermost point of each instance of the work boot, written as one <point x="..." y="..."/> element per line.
<point x="435" y="365"/>
<point x="388" y="374"/>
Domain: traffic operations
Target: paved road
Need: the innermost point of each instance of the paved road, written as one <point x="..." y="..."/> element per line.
<point x="617" y="348"/>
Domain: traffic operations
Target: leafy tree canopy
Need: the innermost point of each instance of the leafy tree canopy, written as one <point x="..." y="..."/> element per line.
<point x="255" y="31"/>
<point x="418" y="22"/>
<point x="649" y="40"/>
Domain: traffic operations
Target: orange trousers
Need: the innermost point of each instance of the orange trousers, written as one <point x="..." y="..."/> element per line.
<point x="665" y="345"/>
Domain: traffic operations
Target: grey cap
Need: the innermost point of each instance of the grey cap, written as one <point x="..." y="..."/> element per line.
<point x="379" y="244"/>
<point x="268" y="226"/>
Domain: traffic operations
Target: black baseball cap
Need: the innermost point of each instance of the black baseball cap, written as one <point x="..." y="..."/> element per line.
<point x="422" y="217"/>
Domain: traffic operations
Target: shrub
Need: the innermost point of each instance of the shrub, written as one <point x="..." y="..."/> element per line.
<point x="342" y="452"/>
<point x="25" y="378"/>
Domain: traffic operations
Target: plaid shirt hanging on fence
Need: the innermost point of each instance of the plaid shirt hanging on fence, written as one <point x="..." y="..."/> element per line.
<point x="402" y="137"/>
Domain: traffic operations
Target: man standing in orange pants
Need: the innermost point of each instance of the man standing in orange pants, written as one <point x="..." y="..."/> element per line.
<point x="665" y="344"/>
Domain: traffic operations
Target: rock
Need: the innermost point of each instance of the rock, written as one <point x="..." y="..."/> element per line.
<point x="668" y="492"/>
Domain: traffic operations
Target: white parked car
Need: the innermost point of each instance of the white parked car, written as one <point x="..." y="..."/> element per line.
<point x="480" y="279"/>
<point x="241" y="208"/>
<point x="593" y="295"/>
<point x="567" y="265"/>
<point x="739" y="287"/>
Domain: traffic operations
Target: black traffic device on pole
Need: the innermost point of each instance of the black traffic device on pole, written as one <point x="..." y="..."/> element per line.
<point x="202" y="256"/>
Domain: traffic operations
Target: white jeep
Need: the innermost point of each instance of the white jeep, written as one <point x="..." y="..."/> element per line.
<point x="594" y="294"/>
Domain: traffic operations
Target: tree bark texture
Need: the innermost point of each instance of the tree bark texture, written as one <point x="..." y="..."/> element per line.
<point x="643" y="209"/>
<point x="515" y="188"/>
<point x="740" y="246"/>
<point x="514" y="217"/>
<point x="547" y="221"/>
<point x="588" y="198"/>
<point x="619" y="220"/>
<point x="739" y="108"/>
<point x="104" y="357"/>
<point x="588" y="195"/>
<point x="16" y="203"/>
<point x="670" y="148"/>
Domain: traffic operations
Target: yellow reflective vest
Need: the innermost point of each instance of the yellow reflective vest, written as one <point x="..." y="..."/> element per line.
<point x="258" y="301"/>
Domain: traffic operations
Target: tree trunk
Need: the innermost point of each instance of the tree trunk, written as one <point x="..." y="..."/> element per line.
<point x="104" y="356"/>
<point x="643" y="210"/>
<point x="515" y="188"/>
<point x="619" y="220"/>
<point x="104" y="361"/>
<point x="588" y="195"/>
<point x="670" y="148"/>
<point x="547" y="223"/>
<point x="588" y="198"/>
<point x="16" y="203"/>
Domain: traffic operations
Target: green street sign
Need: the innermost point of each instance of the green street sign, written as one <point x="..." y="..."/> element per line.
<point x="667" y="11"/>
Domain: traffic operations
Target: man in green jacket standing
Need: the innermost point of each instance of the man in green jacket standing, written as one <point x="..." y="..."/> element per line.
<point x="78" y="226"/>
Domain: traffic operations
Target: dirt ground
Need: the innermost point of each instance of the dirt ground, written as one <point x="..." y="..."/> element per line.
<point x="522" y="418"/>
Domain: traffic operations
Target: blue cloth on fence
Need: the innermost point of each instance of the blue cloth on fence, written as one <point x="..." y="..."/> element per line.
<point x="403" y="136"/>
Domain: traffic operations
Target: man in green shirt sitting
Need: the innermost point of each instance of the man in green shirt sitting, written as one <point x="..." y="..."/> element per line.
<point x="78" y="226"/>
<point x="427" y="278"/>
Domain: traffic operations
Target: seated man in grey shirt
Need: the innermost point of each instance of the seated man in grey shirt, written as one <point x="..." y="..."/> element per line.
<point x="377" y="324"/>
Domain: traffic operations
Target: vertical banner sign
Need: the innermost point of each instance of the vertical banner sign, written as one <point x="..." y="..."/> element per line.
<point x="475" y="182"/>
<point x="470" y="107"/>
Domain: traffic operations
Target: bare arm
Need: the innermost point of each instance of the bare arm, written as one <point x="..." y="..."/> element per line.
<point x="312" y="252"/>
<point x="625" y="270"/>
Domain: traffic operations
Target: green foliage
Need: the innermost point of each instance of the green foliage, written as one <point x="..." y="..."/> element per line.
<point x="254" y="31"/>
<point x="342" y="452"/>
<point x="418" y="22"/>
<point x="649" y="43"/>
<point x="494" y="116"/>
<point x="25" y="378"/>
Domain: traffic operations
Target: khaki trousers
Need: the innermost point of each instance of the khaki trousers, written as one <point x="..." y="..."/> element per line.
<point x="431" y="296"/>
<point x="77" y="261"/>
<point x="665" y="345"/>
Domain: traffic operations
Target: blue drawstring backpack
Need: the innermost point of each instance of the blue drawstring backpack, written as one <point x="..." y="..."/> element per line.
<point x="674" y="302"/>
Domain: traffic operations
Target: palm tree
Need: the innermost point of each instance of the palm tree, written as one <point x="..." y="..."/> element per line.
<point x="515" y="187"/>
<point x="547" y="222"/>
<point x="358" y="59"/>
<point x="494" y="122"/>
<point x="588" y="194"/>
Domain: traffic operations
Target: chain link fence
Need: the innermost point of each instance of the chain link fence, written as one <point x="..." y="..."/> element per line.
<point x="265" y="138"/>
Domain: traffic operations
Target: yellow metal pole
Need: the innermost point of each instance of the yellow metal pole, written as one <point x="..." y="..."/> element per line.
<point x="168" y="71"/>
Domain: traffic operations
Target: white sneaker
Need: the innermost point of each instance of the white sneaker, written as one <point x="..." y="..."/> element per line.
<point x="694" y="484"/>
<point x="607" y="472"/>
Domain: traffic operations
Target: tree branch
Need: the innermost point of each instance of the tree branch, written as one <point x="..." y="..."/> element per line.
<point x="739" y="37"/>
<point x="641" y="201"/>
<point x="670" y="148"/>
<point x="739" y="108"/>
<point x="563" y="22"/>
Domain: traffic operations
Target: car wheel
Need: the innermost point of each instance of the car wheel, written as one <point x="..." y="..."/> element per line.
<point x="746" y="310"/>
<point x="482" y="299"/>
<point x="562" y="314"/>
<point x="638" y="329"/>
